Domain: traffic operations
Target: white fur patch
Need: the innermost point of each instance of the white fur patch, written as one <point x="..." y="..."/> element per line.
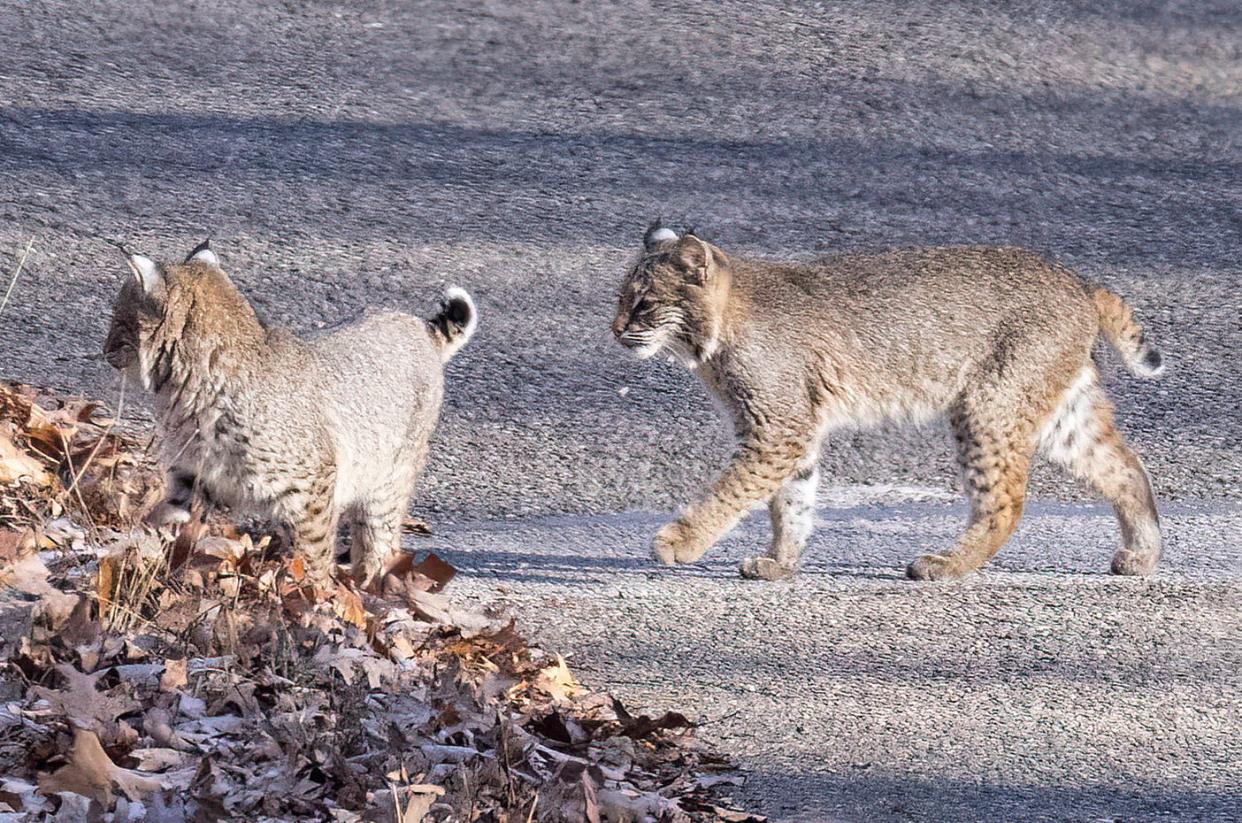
<point x="1071" y="428"/>
<point x="661" y="235"/>
<point x="793" y="517"/>
<point x="654" y="346"/>
<point x="145" y="269"/>
<point x="1138" y="364"/>
<point x="207" y="256"/>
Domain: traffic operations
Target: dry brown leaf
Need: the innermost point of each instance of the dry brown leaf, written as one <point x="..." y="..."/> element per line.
<point x="590" y="800"/>
<point x="222" y="548"/>
<point x="16" y="463"/>
<point x="432" y="574"/>
<point x="297" y="568"/>
<point x="415" y="525"/>
<point x="558" y="682"/>
<point x="437" y="569"/>
<point x="105" y="581"/>
<point x="15" y="403"/>
<point x="91" y="773"/>
<point x="159" y="759"/>
<point x="15" y="544"/>
<point x="83" y="703"/>
<point x="47" y="435"/>
<point x="174" y="676"/>
<point x="348" y="606"/>
<point x="30" y="575"/>
<point x="403" y="804"/>
<point x="21" y="796"/>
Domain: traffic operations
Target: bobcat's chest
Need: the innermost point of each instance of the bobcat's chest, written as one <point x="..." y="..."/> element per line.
<point x="215" y="447"/>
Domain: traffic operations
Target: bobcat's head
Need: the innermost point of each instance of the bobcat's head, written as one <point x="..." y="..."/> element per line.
<point x="673" y="298"/>
<point x="156" y="308"/>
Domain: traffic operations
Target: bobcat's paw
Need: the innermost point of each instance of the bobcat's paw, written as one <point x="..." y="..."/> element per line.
<point x="1132" y="563"/>
<point x="368" y="573"/>
<point x="675" y="543"/>
<point x="764" y="568"/>
<point x="934" y="567"/>
<point x="167" y="515"/>
<point x="318" y="575"/>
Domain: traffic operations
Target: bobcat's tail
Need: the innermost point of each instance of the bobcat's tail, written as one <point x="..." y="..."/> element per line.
<point x="454" y="324"/>
<point x="1126" y="336"/>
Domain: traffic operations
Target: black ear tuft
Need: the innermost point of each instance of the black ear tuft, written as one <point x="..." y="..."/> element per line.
<point x="652" y="228"/>
<point x="201" y="247"/>
<point x="119" y="246"/>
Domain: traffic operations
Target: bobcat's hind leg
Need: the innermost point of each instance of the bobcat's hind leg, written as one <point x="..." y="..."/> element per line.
<point x="994" y="449"/>
<point x="310" y="510"/>
<point x="793" y="517"/>
<point x="1082" y="436"/>
<point x="376" y="537"/>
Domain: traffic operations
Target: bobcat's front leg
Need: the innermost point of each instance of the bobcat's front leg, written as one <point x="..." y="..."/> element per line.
<point x="793" y="516"/>
<point x="174" y="509"/>
<point x="759" y="468"/>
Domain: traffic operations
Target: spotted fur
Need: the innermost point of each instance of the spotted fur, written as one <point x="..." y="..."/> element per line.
<point x="996" y="340"/>
<point x="308" y="432"/>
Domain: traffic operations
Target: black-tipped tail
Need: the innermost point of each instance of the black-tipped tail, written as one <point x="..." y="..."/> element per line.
<point x="455" y="323"/>
<point x="1126" y="335"/>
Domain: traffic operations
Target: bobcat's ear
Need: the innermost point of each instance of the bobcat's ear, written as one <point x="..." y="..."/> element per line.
<point x="699" y="258"/>
<point x="202" y="253"/>
<point x="146" y="272"/>
<point x="657" y="234"/>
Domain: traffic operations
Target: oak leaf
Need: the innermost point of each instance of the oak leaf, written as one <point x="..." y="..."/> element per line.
<point x="91" y="773"/>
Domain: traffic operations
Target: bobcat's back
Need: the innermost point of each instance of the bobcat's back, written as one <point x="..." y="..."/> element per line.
<point x="387" y="386"/>
<point x="900" y="333"/>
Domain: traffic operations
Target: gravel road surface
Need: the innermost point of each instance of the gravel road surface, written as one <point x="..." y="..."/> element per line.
<point x="345" y="155"/>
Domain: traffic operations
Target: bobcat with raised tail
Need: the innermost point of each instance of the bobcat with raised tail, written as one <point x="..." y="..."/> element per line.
<point x="308" y="432"/>
<point x="998" y="340"/>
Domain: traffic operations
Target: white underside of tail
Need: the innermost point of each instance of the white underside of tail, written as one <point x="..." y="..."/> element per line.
<point x="1138" y="365"/>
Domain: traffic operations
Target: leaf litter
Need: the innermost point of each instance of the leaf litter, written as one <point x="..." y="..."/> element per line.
<point x="199" y="676"/>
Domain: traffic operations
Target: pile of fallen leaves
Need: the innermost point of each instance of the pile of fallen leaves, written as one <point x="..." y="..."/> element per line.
<point x="201" y="677"/>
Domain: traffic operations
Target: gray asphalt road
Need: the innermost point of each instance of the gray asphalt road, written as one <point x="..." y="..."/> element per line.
<point x="1042" y="689"/>
<point x="345" y="155"/>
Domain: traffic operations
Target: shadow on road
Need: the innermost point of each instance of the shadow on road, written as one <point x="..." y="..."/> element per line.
<point x="865" y="795"/>
<point x="1140" y="200"/>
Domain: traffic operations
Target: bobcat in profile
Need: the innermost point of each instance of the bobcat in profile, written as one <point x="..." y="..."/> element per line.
<point x="305" y="432"/>
<point x="997" y="339"/>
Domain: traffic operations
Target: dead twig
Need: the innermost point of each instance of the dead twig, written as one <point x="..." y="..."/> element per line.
<point x="16" y="273"/>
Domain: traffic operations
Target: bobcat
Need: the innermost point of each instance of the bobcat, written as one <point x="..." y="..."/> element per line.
<point x="997" y="339"/>
<point x="305" y="432"/>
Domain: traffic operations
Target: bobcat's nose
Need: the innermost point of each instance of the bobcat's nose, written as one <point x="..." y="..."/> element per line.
<point x="618" y="326"/>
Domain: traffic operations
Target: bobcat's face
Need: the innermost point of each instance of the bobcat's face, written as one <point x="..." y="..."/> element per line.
<point x="150" y="313"/>
<point x="137" y="316"/>
<point x="672" y="298"/>
<point x="649" y="310"/>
